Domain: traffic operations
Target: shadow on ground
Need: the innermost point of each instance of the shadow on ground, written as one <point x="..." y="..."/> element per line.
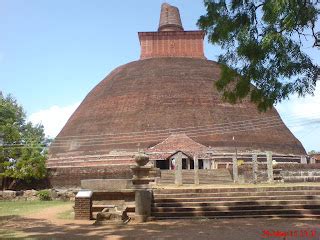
<point x="184" y="229"/>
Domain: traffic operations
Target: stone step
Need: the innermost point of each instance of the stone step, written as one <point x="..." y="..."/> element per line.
<point x="276" y="216"/>
<point x="297" y="212"/>
<point x="233" y="208"/>
<point x="201" y="181"/>
<point x="236" y="194"/>
<point x="219" y="198"/>
<point x="192" y="177"/>
<point x="200" y="174"/>
<point x="237" y="203"/>
<point x="234" y="189"/>
<point x="200" y="170"/>
<point x="297" y="179"/>
<point x="301" y="173"/>
<point x="208" y="179"/>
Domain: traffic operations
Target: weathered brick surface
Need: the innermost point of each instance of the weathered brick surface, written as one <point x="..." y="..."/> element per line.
<point x="142" y="103"/>
<point x="172" y="44"/>
<point x="83" y="208"/>
<point x="170" y="18"/>
<point x="71" y="177"/>
<point x="166" y="93"/>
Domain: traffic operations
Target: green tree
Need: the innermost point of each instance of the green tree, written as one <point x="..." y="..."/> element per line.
<point x="313" y="152"/>
<point x="23" y="152"/>
<point x="262" y="42"/>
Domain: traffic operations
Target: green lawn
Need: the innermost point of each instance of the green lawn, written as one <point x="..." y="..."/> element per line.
<point x="8" y="208"/>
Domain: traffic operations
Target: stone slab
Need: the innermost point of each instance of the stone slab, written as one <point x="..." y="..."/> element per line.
<point x="106" y="184"/>
<point x="84" y="194"/>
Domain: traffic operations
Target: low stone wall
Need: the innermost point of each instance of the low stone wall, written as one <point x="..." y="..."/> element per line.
<point x="305" y="175"/>
<point x="106" y="184"/>
<point x="29" y="195"/>
<point x="290" y="173"/>
<point x="71" y="177"/>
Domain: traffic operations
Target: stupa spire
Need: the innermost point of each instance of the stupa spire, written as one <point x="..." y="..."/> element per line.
<point x="170" y="18"/>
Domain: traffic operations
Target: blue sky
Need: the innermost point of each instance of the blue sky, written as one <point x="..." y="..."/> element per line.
<point x="52" y="53"/>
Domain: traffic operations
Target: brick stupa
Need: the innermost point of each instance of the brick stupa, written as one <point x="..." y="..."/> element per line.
<point x="170" y="90"/>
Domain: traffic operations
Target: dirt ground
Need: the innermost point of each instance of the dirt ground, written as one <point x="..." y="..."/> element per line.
<point x="46" y="225"/>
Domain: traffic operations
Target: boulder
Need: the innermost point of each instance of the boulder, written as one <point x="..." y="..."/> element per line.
<point x="30" y="194"/>
<point x="65" y="194"/>
<point x="53" y="194"/>
<point x="7" y="195"/>
<point x="114" y="215"/>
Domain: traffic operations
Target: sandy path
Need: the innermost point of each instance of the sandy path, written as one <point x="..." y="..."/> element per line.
<point x="45" y="225"/>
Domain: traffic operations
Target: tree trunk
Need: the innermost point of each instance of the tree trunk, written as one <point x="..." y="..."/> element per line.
<point x="12" y="184"/>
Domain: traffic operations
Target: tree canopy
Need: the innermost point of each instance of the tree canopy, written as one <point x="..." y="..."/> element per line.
<point x="22" y="148"/>
<point x="313" y="152"/>
<point x="263" y="43"/>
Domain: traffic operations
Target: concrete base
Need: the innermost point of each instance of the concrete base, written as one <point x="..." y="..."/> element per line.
<point x="140" y="218"/>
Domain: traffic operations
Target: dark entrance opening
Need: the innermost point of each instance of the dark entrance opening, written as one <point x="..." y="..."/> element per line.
<point x="200" y="164"/>
<point x="162" y="164"/>
<point x="184" y="163"/>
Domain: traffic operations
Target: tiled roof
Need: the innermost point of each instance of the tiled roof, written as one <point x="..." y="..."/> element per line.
<point x="175" y="143"/>
<point x="316" y="156"/>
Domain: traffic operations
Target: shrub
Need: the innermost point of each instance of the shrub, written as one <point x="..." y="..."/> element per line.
<point x="44" y="195"/>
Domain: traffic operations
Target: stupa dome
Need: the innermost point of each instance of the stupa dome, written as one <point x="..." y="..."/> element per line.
<point x="150" y="103"/>
<point x="141" y="103"/>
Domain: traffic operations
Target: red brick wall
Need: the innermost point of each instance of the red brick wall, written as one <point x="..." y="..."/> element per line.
<point x="172" y="44"/>
<point x="82" y="208"/>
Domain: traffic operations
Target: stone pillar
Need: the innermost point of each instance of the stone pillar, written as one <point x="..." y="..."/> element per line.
<point x="255" y="168"/>
<point x="214" y="164"/>
<point x="269" y="167"/>
<point x="141" y="173"/>
<point x="235" y="169"/>
<point x="312" y="160"/>
<point x="303" y="160"/>
<point x="178" y="170"/>
<point x="142" y="205"/>
<point x="196" y="169"/>
<point x="83" y="205"/>
<point x="188" y="163"/>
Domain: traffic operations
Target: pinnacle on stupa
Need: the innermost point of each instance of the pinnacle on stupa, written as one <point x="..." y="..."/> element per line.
<point x="170" y="18"/>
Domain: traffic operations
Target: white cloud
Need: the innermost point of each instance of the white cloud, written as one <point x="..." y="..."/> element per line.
<point x="306" y="107"/>
<point x="302" y="116"/>
<point x="53" y="118"/>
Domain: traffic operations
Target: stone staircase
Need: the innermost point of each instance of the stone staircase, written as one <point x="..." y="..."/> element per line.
<point x="282" y="202"/>
<point x="210" y="176"/>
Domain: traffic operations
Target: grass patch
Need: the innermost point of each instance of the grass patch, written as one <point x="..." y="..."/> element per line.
<point x="19" y="208"/>
<point x="69" y="214"/>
